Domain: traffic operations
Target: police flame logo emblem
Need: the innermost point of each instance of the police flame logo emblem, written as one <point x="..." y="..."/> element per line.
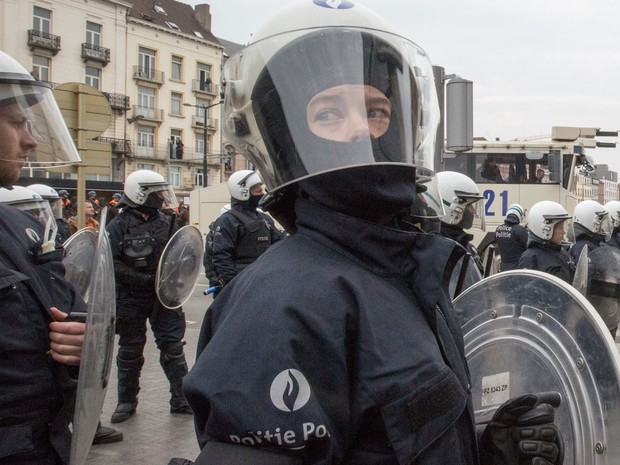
<point x="290" y="390"/>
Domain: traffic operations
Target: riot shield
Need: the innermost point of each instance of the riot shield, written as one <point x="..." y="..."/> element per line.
<point x="179" y="267"/>
<point x="604" y="284"/>
<point x="97" y="349"/>
<point x="79" y="253"/>
<point x="580" y="281"/>
<point x="528" y="332"/>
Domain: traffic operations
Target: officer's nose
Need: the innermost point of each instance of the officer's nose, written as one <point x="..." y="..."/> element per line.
<point x="357" y="127"/>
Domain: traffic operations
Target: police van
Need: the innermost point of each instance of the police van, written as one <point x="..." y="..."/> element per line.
<point x="526" y="171"/>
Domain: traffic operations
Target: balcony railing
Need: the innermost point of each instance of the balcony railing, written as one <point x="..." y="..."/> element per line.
<point x="117" y="101"/>
<point x="95" y="52"/>
<point x="44" y="40"/>
<point x="148" y="74"/>
<point x="161" y="153"/>
<point x="118" y="145"/>
<point x="149" y="114"/>
<point x="202" y="86"/>
<point x="198" y="122"/>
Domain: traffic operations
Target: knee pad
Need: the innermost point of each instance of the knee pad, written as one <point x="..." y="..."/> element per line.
<point x="132" y="352"/>
<point x="173" y="349"/>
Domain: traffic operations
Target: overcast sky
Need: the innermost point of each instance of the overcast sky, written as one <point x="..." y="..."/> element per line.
<point x="534" y="63"/>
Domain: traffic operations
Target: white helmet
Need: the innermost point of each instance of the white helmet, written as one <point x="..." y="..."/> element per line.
<point x="51" y="195"/>
<point x="291" y="60"/>
<point x="516" y="210"/>
<point x="592" y="216"/>
<point x="613" y="207"/>
<point x="543" y="216"/>
<point x="458" y="193"/>
<point x="240" y="183"/>
<point x="47" y="192"/>
<point x="139" y="186"/>
<point x="31" y="202"/>
<point x="34" y="102"/>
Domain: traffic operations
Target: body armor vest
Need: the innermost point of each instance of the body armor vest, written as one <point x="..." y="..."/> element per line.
<point x="144" y="241"/>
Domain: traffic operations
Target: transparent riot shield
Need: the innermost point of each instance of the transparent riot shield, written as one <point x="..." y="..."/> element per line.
<point x="528" y="332"/>
<point x="79" y="253"/>
<point x="604" y="284"/>
<point x="580" y="280"/>
<point x="179" y="267"/>
<point x="97" y="349"/>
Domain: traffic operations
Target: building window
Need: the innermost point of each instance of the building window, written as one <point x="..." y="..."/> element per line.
<point x="200" y="145"/>
<point x="176" y="103"/>
<point x="93" y="77"/>
<point x="93" y="33"/>
<point x="174" y="26"/>
<point x="146" y="58"/>
<point x="41" y="67"/>
<point x="204" y="76"/>
<point x="175" y="176"/>
<point x="146" y="97"/>
<point x="198" y="177"/>
<point x="175" y="145"/>
<point x="146" y="141"/>
<point x="146" y="166"/>
<point x="41" y="20"/>
<point x="159" y="9"/>
<point x="177" y="68"/>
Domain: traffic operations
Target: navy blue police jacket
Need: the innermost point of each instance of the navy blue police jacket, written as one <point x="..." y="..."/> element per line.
<point x="548" y="257"/>
<point x="35" y="390"/>
<point x="511" y="239"/>
<point x="339" y="344"/>
<point x="583" y="238"/>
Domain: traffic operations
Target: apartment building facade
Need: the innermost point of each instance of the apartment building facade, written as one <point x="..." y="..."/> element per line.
<point x="158" y="65"/>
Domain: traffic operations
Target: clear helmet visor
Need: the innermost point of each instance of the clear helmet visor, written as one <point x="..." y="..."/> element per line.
<point x="42" y="211"/>
<point x="160" y="196"/>
<point x="473" y="215"/>
<point x="43" y="132"/>
<point x="465" y="211"/>
<point x="56" y="205"/>
<point x="313" y="101"/>
<point x="560" y="232"/>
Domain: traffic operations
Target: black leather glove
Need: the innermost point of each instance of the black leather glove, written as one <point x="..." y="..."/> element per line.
<point x="522" y="432"/>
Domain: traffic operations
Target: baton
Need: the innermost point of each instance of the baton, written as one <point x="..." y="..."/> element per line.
<point x="211" y="290"/>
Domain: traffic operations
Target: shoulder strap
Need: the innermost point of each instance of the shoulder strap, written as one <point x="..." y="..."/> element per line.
<point x="241" y="216"/>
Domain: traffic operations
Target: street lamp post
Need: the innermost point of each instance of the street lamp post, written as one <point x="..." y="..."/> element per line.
<point x="205" y="168"/>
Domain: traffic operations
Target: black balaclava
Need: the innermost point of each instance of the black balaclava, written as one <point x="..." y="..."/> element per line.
<point x="376" y="193"/>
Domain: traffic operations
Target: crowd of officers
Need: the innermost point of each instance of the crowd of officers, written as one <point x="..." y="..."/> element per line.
<point x="553" y="241"/>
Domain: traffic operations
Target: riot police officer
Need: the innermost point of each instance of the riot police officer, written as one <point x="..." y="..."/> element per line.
<point x="461" y="198"/>
<point x="511" y="237"/>
<point x="51" y="195"/>
<point x="591" y="224"/>
<point x="138" y="236"/>
<point x="334" y="346"/>
<point x="242" y="233"/>
<point x="40" y="351"/>
<point x="548" y="223"/>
